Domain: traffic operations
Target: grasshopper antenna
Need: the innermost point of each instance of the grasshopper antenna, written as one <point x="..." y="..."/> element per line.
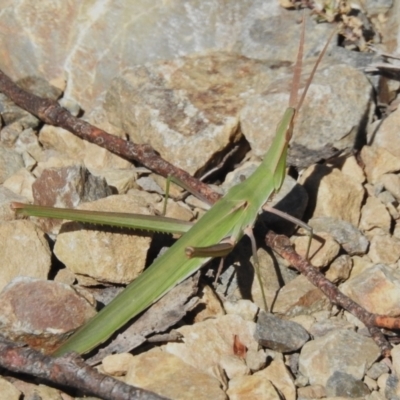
<point x="311" y="76"/>
<point x="298" y="68"/>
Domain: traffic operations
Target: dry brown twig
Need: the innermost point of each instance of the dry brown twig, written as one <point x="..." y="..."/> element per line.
<point x="50" y="112"/>
<point x="281" y="244"/>
<point x="70" y="371"/>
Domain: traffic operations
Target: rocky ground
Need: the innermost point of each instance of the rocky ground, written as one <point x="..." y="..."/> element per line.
<point x="205" y="84"/>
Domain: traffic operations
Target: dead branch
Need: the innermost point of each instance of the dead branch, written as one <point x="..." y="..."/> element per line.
<point x="281" y="244"/>
<point x="52" y="113"/>
<point x="69" y="370"/>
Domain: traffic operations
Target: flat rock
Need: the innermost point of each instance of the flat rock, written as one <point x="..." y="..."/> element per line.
<point x="371" y="384"/>
<point x="186" y="103"/>
<point x="341" y="350"/>
<point x="395" y="353"/>
<point x="121" y="179"/>
<point x="27" y="144"/>
<point x="117" y="364"/>
<point x="106" y="255"/>
<point x="340" y="269"/>
<point x="345" y="233"/>
<point x="253" y="387"/>
<point x="206" y="343"/>
<point x="299" y="297"/>
<point x="8" y="390"/>
<point x="62" y="142"/>
<point x="68" y="187"/>
<point x="40" y="87"/>
<point x="65" y="187"/>
<point x="279" y="334"/>
<point x="24" y="251"/>
<point x="323" y="248"/>
<point x="256" y="359"/>
<point x="384" y="249"/>
<point x="350" y="166"/>
<point x="210" y="304"/>
<point x="245" y="308"/>
<point x="21" y="183"/>
<point x="333" y="193"/>
<point x="6" y="197"/>
<point x="281" y="378"/>
<point x="341" y="384"/>
<point x="306" y="321"/>
<point x="376" y="288"/>
<point x="177" y="210"/>
<point x="172" y="378"/>
<point x="30" y="391"/>
<point x="374" y="214"/>
<point x="324" y="118"/>
<point x="38" y="312"/>
<point x="15" y="116"/>
<point x="386" y="136"/>
<point x="311" y="392"/>
<point x="270" y="278"/>
<point x="323" y="327"/>
<point x="391" y="387"/>
<point x="234" y="365"/>
<point x="379" y="368"/>
<point x="391" y="182"/>
<point x="10" y="163"/>
<point x="378" y="161"/>
<point x="48" y="393"/>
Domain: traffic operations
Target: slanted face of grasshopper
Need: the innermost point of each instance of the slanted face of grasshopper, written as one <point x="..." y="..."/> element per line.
<point x="215" y="234"/>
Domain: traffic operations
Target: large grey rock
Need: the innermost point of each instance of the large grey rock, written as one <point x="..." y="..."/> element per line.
<point x="185" y="104"/>
<point x="93" y="42"/>
<point x="324" y="118"/>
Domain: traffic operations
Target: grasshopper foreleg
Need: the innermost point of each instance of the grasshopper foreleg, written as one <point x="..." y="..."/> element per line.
<point x="217" y="250"/>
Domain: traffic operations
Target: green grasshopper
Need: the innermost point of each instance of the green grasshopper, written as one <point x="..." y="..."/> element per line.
<point x="214" y="235"/>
